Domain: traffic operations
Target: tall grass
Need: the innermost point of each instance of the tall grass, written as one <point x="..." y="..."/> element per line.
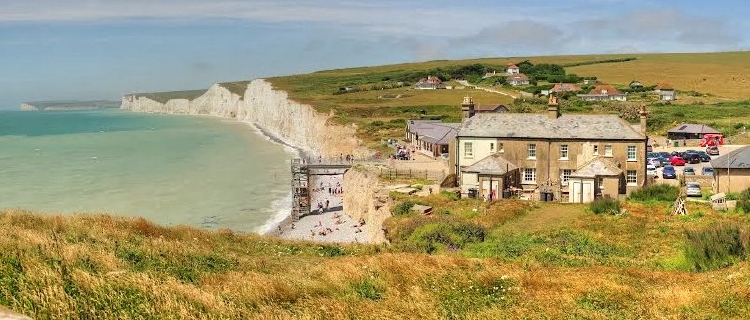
<point x="717" y="246"/>
<point x="656" y="192"/>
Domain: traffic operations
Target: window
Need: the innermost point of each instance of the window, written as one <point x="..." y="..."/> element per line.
<point x="631" y="153"/>
<point x="500" y="147"/>
<point x="529" y="175"/>
<point x="468" y="150"/>
<point x="532" y="151"/>
<point x="632" y="177"/>
<point x="492" y="147"/>
<point x="608" y="150"/>
<point x="565" y="176"/>
<point x="596" y="149"/>
<point x="564" y="152"/>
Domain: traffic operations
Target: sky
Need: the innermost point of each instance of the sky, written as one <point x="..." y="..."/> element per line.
<point x="102" y="49"/>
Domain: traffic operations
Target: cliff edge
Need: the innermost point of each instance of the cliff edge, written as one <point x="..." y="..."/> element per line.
<point x="270" y="110"/>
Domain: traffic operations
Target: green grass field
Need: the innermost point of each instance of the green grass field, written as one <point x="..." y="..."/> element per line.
<point x="510" y="259"/>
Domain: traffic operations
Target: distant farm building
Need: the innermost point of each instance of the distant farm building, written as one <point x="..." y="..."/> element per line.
<point x="690" y="131"/>
<point x="604" y="92"/>
<point x="429" y="83"/>
<point x="565" y="87"/>
<point x="512" y="69"/>
<point x="732" y="171"/>
<point x="518" y="79"/>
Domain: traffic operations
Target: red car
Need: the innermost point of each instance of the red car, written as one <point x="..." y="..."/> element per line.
<point x="677" y="161"/>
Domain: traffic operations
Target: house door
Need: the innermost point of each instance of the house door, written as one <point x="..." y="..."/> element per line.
<point x="486" y="188"/>
<point x="581" y="191"/>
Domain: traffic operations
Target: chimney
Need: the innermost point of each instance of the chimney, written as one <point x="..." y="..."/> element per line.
<point x="467" y="107"/>
<point x="553" y="108"/>
<point x="643" y="113"/>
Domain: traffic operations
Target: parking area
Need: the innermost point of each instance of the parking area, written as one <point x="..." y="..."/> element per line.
<point x="696" y="166"/>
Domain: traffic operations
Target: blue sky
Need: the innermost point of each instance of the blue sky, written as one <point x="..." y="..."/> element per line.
<point x="89" y="49"/>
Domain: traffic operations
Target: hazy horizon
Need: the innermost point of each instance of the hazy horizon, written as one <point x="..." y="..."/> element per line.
<point x="83" y="50"/>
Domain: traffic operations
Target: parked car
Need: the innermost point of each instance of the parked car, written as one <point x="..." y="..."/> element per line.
<point x="651" y="170"/>
<point x="664" y="160"/>
<point x="669" y="173"/>
<point x="654" y="161"/>
<point x="712" y="150"/>
<point x="693" y="189"/>
<point x="704" y="156"/>
<point x="707" y="171"/>
<point x="677" y="161"/>
<point x="665" y="154"/>
<point x="688" y="171"/>
<point x="692" y="158"/>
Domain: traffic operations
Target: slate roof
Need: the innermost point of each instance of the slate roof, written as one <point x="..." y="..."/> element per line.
<point x="736" y="159"/>
<point x="493" y="164"/>
<point x="693" y="128"/>
<point x="597" y="167"/>
<point x="433" y="131"/>
<point x="490" y="108"/>
<point x="564" y="87"/>
<point x="539" y="125"/>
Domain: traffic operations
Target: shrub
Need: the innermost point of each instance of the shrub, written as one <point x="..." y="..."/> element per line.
<point x="431" y="237"/>
<point x="743" y="201"/>
<point x="368" y="289"/>
<point x="402" y="208"/>
<point x="717" y="246"/>
<point x="657" y="192"/>
<point x="605" y="205"/>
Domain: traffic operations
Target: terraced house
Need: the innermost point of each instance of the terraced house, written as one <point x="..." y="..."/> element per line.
<point x="575" y="158"/>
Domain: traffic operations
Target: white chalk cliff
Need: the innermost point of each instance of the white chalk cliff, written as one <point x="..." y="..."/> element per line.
<point x="271" y="110"/>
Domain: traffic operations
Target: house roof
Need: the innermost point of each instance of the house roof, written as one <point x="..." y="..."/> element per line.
<point x="539" y="125"/>
<point x="563" y="87"/>
<point x="433" y="131"/>
<point x="602" y="88"/>
<point x="517" y="77"/>
<point x="735" y="159"/>
<point x="597" y="167"/>
<point x="664" y="85"/>
<point x="512" y="66"/>
<point x="493" y="164"/>
<point x="491" y="107"/>
<point x="693" y="128"/>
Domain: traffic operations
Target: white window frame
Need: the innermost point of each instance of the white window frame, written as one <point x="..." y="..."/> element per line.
<point x="634" y="153"/>
<point x="531" y="150"/>
<point x="607" y="150"/>
<point x="564" y="178"/>
<point x="529" y="172"/>
<point x="563" y="152"/>
<point x="468" y="149"/>
<point x="631" y="174"/>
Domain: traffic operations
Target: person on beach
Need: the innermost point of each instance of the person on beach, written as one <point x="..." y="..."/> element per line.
<point x="327" y="204"/>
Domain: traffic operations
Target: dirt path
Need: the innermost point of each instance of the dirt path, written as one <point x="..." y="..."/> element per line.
<point x="466" y="83"/>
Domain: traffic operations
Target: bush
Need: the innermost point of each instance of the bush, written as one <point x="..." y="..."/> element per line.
<point x="717" y="246"/>
<point x="657" y="192"/>
<point x="605" y="205"/>
<point x="402" y="208"/>
<point x="432" y="237"/>
<point x="743" y="202"/>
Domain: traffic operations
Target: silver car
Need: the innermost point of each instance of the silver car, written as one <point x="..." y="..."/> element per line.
<point x="693" y="189"/>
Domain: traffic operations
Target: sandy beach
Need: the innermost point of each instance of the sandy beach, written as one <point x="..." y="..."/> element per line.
<point x="326" y="225"/>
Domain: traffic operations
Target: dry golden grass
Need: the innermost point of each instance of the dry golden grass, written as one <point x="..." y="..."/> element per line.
<point x="83" y="267"/>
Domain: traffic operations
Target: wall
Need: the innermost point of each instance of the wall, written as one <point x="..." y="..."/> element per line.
<point x="270" y="110"/>
<point x="736" y="181"/>
<point x="365" y="198"/>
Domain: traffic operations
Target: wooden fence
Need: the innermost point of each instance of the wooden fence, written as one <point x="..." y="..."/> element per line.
<point x="431" y="175"/>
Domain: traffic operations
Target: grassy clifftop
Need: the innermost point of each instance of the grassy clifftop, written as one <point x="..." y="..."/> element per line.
<point x="535" y="261"/>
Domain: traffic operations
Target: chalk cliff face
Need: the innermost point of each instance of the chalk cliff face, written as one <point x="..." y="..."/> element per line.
<point x="366" y="198"/>
<point x="296" y="124"/>
<point x="28" y="107"/>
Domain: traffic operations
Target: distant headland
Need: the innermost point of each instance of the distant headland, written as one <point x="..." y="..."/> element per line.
<point x="53" y="105"/>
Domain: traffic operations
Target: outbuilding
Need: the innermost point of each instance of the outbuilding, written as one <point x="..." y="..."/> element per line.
<point x="690" y="131"/>
<point x="732" y="171"/>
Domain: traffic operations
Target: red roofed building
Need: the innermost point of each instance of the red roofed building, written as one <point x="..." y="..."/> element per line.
<point x="518" y="79"/>
<point x="565" y="87"/>
<point x="604" y="92"/>
<point x="431" y="82"/>
<point x="513" y="69"/>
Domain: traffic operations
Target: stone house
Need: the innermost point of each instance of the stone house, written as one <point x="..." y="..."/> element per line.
<point x="517" y="79"/>
<point x="431" y="137"/>
<point x="576" y="158"/>
<point x="732" y="171"/>
<point x="429" y="83"/>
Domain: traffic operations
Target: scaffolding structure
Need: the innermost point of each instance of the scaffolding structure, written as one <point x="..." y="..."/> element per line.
<point x="300" y="189"/>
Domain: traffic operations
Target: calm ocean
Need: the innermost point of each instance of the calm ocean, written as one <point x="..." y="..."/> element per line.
<point x="194" y="170"/>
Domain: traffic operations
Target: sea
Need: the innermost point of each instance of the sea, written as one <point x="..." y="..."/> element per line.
<point x="200" y="171"/>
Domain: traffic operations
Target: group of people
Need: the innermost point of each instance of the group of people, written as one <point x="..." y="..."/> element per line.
<point x="323" y="207"/>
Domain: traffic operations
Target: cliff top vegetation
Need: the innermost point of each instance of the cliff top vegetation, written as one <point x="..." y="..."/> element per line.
<point x="509" y="259"/>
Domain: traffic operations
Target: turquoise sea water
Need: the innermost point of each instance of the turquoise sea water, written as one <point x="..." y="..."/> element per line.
<point x="194" y="170"/>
